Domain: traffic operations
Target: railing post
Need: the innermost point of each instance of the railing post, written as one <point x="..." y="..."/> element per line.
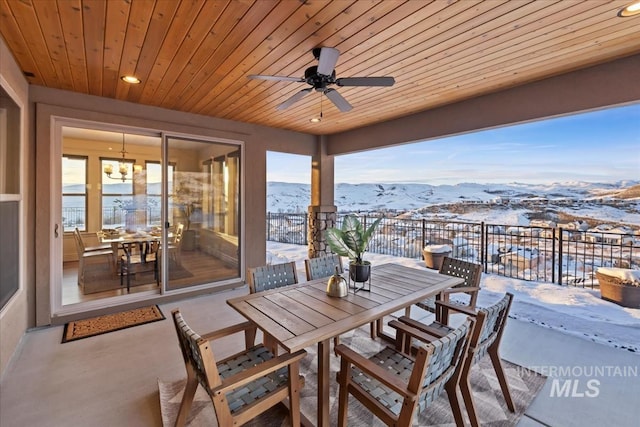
<point x="553" y="253"/>
<point x="424" y="233"/>
<point x="484" y="249"/>
<point x="305" y="233"/>
<point x="268" y="226"/>
<point x="560" y="251"/>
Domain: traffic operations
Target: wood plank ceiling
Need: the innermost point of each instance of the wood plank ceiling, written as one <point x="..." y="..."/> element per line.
<point x="195" y="55"/>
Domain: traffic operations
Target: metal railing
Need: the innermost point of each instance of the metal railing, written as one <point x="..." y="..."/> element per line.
<point x="287" y="228"/>
<point x="544" y="254"/>
<point x="112" y="217"/>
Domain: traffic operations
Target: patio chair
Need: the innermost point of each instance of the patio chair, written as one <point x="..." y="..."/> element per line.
<point x="323" y="266"/>
<point x="394" y="386"/>
<point x="486" y="337"/>
<point x="470" y="272"/>
<point x="241" y="386"/>
<point x="272" y="276"/>
<point x="268" y="277"/>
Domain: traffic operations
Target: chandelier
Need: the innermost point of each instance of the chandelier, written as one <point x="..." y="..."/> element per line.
<point x="123" y="169"/>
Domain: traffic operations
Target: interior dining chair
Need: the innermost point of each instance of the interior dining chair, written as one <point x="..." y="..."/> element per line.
<point x="241" y="386"/>
<point x="174" y="247"/>
<point x="87" y="258"/>
<point x="485" y="339"/>
<point x="85" y="248"/>
<point x="470" y="272"/>
<point x="137" y="258"/>
<point x="271" y="276"/>
<point x="395" y="386"/>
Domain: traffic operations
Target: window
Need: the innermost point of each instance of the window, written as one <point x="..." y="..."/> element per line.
<point x="154" y="191"/>
<point x="74" y="192"/>
<point x="117" y="195"/>
<point x="11" y="146"/>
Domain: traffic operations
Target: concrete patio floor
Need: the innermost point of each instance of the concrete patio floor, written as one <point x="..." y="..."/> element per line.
<point x="111" y="379"/>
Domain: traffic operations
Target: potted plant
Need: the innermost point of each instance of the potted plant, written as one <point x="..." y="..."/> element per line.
<point x="351" y="241"/>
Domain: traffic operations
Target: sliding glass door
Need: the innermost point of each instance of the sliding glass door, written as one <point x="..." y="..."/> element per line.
<point x="143" y="213"/>
<point x="203" y="212"/>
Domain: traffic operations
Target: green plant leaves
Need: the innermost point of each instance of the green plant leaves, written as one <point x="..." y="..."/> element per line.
<point x="351" y="239"/>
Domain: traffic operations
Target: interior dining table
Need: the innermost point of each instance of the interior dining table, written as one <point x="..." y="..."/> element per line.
<point x="128" y="243"/>
<point x="302" y="315"/>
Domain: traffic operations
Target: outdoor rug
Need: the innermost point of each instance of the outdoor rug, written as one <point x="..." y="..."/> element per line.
<point x="86" y="328"/>
<point x="492" y="410"/>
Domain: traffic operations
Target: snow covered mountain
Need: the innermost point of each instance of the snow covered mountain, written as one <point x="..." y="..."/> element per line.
<point x="623" y="196"/>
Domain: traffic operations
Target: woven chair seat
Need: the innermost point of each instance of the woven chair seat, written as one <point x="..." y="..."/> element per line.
<point x="254" y="390"/>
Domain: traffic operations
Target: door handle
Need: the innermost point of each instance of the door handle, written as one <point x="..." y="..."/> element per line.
<point x="55" y="231"/>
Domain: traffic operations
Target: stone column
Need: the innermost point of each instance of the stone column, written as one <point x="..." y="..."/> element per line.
<point x="320" y="219"/>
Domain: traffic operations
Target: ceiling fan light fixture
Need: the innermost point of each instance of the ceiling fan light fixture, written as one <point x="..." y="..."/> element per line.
<point x="315" y="119"/>
<point x="630" y="10"/>
<point x="131" y="79"/>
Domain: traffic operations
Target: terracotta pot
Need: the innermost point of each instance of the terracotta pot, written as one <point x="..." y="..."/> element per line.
<point x="434" y="259"/>
<point x="612" y="290"/>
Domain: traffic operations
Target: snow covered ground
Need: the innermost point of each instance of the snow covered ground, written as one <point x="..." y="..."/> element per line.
<point x="573" y="311"/>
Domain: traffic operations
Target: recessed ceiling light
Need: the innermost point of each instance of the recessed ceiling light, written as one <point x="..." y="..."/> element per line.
<point x="131" y="79"/>
<point x="315" y="120"/>
<point x="630" y="10"/>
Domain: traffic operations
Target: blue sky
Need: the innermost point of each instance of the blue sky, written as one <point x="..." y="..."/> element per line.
<point x="600" y="146"/>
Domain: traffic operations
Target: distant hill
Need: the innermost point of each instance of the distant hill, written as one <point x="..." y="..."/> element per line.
<point x="292" y="197"/>
<point x="501" y="203"/>
<point x="629" y="193"/>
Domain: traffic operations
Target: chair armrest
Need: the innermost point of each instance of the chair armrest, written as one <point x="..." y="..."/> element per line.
<point x="258" y="371"/>
<point x="457" y="307"/>
<point x="375" y="371"/>
<point x="229" y="330"/>
<point x="418" y="330"/>
<point x="457" y="290"/>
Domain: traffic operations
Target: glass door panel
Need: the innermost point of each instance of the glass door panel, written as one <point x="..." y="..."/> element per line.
<point x="203" y="212"/>
<point x="110" y="201"/>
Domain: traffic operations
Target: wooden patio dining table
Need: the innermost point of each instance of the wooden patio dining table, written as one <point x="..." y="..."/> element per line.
<point x="302" y="315"/>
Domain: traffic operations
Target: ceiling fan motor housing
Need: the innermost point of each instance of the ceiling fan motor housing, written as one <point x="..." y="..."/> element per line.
<point x="318" y="81"/>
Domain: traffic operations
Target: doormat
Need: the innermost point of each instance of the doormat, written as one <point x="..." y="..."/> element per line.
<point x="93" y="326"/>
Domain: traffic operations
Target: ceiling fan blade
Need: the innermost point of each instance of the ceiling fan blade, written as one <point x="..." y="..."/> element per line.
<point x="295" y="98"/>
<point x="277" y="78"/>
<point x="337" y="99"/>
<point x="366" y="81"/>
<point x="328" y="60"/>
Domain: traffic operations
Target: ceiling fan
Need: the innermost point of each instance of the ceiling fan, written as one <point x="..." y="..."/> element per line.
<point x="323" y="75"/>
